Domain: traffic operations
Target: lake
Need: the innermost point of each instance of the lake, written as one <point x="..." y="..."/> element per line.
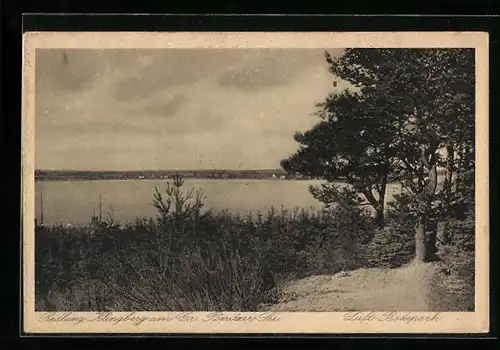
<point x="74" y="201"/>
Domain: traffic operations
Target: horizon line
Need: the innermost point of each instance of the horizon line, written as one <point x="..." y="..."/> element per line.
<point x="179" y="170"/>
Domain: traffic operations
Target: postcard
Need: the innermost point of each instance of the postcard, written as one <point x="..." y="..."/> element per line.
<point x="246" y="182"/>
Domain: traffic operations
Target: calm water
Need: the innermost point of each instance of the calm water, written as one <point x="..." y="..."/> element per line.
<point x="74" y="201"/>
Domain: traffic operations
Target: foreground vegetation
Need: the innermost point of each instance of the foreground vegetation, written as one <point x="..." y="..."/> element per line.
<point x="408" y="116"/>
<point x="191" y="259"/>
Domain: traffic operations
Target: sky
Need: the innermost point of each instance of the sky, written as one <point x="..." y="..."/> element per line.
<point x="175" y="108"/>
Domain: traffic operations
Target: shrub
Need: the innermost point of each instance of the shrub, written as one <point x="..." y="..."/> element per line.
<point x="457" y="256"/>
<point x="392" y="246"/>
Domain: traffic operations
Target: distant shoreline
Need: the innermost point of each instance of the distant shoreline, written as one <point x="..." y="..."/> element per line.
<point x="53" y="175"/>
<point x="166" y="179"/>
<point x="81" y="175"/>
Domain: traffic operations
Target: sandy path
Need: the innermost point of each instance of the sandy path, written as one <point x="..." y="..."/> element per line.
<point x="402" y="289"/>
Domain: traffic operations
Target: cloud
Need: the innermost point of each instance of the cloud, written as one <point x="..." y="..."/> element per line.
<point x="167" y="109"/>
<point x="172" y="68"/>
<point x="263" y="68"/>
<point x="128" y="109"/>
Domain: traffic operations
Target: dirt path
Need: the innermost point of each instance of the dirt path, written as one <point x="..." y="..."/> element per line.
<point x="401" y="289"/>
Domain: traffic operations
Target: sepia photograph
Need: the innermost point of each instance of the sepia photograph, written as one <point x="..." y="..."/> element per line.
<point x="254" y="183"/>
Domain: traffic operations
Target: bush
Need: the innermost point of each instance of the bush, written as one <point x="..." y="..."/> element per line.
<point x="457" y="256"/>
<point x="392" y="246"/>
<point x="338" y="246"/>
<point x="133" y="268"/>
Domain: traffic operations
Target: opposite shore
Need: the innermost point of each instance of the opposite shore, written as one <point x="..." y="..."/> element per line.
<point x="260" y="174"/>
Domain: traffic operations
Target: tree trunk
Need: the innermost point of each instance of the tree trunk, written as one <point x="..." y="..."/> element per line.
<point x="381" y="202"/>
<point x="450" y="162"/>
<point x="441" y="233"/>
<point x="420" y="247"/>
<point x="380" y="217"/>
<point x="423" y="246"/>
<point x="377" y="204"/>
<point x="430" y="244"/>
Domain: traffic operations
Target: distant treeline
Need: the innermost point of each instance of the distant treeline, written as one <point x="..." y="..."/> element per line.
<point x="48" y="175"/>
<point x="45" y="175"/>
